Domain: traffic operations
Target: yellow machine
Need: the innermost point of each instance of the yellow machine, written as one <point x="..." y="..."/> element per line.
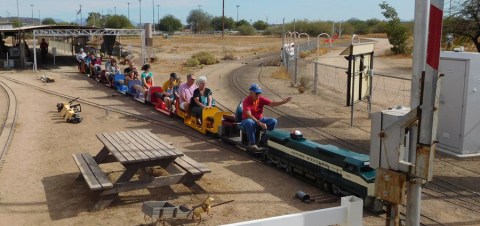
<point x="71" y="113"/>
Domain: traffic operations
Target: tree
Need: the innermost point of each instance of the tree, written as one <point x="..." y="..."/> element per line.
<point x="118" y="22"/>
<point x="464" y="22"/>
<point x="199" y="20"/>
<point x="260" y="25"/>
<point x="48" y="20"/>
<point x="17" y="23"/>
<point x="360" y="27"/>
<point x="396" y="33"/>
<point x="170" y="23"/>
<point x="96" y="19"/>
<point x="216" y="23"/>
<point x="242" y="22"/>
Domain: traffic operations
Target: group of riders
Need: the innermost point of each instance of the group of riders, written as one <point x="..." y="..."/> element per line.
<point x="193" y="95"/>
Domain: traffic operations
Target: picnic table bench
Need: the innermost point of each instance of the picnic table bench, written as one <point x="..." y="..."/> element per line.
<point x="135" y="150"/>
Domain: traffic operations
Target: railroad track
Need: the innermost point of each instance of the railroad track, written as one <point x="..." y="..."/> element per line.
<point x="7" y="129"/>
<point x="242" y="78"/>
<point x="238" y="84"/>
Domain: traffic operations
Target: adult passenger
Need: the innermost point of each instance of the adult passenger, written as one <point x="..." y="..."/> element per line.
<point x="81" y="60"/>
<point x="252" y="116"/>
<point x="110" y="71"/>
<point x="202" y="98"/>
<point x="44" y="50"/>
<point x="185" y="91"/>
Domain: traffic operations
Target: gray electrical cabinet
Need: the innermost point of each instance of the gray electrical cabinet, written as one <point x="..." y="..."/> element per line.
<point x="458" y="130"/>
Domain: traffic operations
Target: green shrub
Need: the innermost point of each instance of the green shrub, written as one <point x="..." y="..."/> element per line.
<point x="246" y="30"/>
<point x="304" y="54"/>
<point x="205" y="58"/>
<point x="192" y="62"/>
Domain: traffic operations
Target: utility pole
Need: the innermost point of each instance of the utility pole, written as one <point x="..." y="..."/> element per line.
<point x="128" y="10"/>
<point x="33" y="23"/>
<point x="39" y="19"/>
<point x="158" y="15"/>
<point x="333" y="28"/>
<point x="140" y="3"/>
<point x="81" y="16"/>
<point x="340" y="30"/>
<point x="223" y="17"/>
<point x="153" y="15"/>
<point x="237" y="12"/>
<point x="18" y="15"/>
<point x="283" y="42"/>
<point x="450" y="13"/>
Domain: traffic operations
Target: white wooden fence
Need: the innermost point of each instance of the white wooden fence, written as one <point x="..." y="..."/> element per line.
<point x="349" y="213"/>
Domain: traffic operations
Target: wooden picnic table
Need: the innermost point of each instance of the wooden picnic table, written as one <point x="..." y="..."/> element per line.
<point x="135" y="150"/>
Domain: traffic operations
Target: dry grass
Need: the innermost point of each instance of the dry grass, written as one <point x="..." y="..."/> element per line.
<point x="173" y="52"/>
<point x="281" y="73"/>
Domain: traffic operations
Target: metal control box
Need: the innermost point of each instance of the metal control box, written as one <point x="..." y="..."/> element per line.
<point x="458" y="130"/>
<point x="390" y="139"/>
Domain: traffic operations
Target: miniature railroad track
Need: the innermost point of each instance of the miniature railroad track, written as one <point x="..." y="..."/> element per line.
<point x="7" y="129"/>
<point x="239" y="81"/>
<point x="239" y="85"/>
<point x="453" y="194"/>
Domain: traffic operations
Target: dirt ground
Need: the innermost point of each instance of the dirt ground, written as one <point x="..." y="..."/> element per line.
<point x="37" y="176"/>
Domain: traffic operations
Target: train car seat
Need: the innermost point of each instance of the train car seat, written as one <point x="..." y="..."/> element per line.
<point x="119" y="83"/>
<point x="133" y="86"/>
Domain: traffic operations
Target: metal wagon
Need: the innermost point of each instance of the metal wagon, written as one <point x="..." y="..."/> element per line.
<point x="162" y="210"/>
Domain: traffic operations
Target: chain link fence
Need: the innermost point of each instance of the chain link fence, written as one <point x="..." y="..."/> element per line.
<point x="323" y="79"/>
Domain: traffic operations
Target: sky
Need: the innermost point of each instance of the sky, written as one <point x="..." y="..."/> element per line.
<point x="271" y="11"/>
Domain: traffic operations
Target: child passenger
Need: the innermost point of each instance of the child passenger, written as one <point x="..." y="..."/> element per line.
<point x="171" y="95"/>
<point x="148" y="84"/>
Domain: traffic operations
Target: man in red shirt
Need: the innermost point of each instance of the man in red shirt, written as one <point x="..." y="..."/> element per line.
<point x="252" y="116"/>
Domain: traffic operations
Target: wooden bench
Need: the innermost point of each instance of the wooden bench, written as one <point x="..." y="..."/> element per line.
<point x="192" y="167"/>
<point x="91" y="172"/>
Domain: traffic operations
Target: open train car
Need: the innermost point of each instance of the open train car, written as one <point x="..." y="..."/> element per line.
<point x="119" y="83"/>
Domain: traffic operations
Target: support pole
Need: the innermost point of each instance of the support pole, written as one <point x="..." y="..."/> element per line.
<point x="315" y="79"/>
<point x="144" y="54"/>
<point x="427" y="33"/>
<point x="352" y="97"/>
<point x="414" y="188"/>
<point x="34" y="53"/>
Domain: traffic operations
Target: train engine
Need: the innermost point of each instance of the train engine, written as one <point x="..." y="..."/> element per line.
<point x="336" y="170"/>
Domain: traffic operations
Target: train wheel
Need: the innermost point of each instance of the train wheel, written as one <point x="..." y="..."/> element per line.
<point x="327" y="186"/>
<point x="264" y="156"/>
<point x="288" y="169"/>
<point x="335" y="189"/>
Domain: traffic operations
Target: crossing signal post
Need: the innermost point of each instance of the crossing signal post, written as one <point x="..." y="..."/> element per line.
<point x="402" y="139"/>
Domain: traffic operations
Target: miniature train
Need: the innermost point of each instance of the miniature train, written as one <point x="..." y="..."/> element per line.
<point x="335" y="170"/>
